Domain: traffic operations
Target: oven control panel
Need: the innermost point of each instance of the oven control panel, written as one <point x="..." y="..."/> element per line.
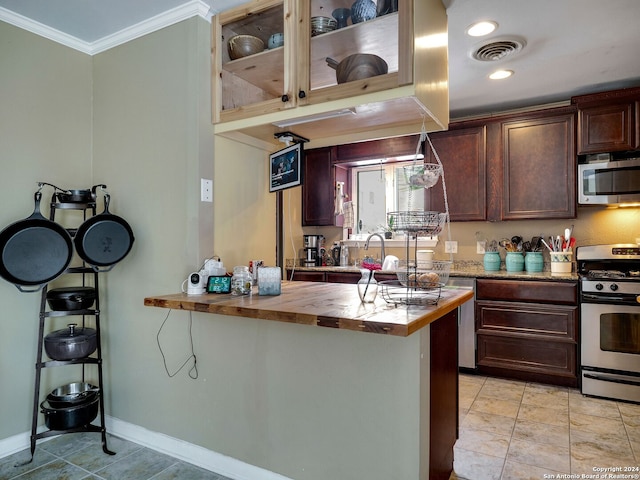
<point x="626" y="251"/>
<point x="610" y="287"/>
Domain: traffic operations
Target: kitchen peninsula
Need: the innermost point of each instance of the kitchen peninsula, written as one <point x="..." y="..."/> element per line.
<point x="377" y="400"/>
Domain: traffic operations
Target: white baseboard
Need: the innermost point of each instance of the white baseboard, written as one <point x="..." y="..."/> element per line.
<point x="17" y="443"/>
<point x="185" y="451"/>
<point x="188" y="452"/>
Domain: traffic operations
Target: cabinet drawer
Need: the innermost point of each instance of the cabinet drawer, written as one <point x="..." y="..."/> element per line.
<point x="525" y="319"/>
<point x="333" y="277"/>
<point x="526" y="355"/>
<point x="306" y="276"/>
<point x="565" y="293"/>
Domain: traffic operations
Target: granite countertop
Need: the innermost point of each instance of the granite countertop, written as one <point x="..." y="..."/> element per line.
<point x="333" y="305"/>
<point x="469" y="269"/>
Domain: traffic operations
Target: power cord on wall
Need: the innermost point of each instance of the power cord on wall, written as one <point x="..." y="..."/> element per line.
<point x="293" y="245"/>
<point x="193" y="372"/>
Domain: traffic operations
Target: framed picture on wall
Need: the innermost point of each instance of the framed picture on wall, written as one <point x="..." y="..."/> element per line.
<point x="286" y="168"/>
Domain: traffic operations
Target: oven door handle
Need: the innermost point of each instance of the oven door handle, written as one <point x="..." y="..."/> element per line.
<point x="605" y="378"/>
<point x="610" y="299"/>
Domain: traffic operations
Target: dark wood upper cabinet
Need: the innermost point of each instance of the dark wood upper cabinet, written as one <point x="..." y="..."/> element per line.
<point x="609" y="121"/>
<point x="383" y="148"/>
<point x="463" y="153"/>
<point x="539" y="167"/>
<point x="508" y="167"/>
<point x="318" y="188"/>
<point x="607" y="128"/>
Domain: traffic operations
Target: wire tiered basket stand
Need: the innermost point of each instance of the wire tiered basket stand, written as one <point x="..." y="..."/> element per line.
<point x="419" y="282"/>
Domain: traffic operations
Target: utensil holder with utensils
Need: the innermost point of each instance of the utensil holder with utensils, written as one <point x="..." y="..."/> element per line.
<point x="561" y="262"/>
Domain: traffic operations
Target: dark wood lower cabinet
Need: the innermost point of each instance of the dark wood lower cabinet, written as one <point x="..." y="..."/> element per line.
<point x="528" y="330"/>
<point x="306" y="276"/>
<point x="335" y="277"/>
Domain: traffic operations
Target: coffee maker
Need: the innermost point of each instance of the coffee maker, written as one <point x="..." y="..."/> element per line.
<point x="312" y="244"/>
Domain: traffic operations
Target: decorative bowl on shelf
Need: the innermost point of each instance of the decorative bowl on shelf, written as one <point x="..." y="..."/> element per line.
<point x="276" y="40"/>
<point x="363" y="10"/>
<point x="244" y="45"/>
<point x="342" y="16"/>
<point x="358" y="66"/>
<point x="321" y="25"/>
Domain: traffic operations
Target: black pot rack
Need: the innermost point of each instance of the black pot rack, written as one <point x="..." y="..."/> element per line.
<point x="85" y="272"/>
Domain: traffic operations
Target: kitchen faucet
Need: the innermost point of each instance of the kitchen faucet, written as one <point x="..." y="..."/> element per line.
<point x="366" y="244"/>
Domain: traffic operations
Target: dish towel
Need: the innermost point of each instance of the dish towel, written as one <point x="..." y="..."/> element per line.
<point x="348" y="215"/>
<point x="339" y="199"/>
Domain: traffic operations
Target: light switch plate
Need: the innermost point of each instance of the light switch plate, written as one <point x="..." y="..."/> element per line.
<point x="480" y="246"/>
<point x="451" y="247"/>
<point x="206" y="190"/>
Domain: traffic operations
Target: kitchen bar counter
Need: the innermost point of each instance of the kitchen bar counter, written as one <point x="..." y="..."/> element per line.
<point x="320" y="304"/>
<point x="335" y="403"/>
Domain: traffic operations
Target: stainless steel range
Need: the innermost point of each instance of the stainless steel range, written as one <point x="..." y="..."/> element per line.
<point x="610" y="320"/>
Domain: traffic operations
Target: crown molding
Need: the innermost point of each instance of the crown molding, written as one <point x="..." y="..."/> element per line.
<point x="170" y="17"/>
<point x="42" y="30"/>
<point x="165" y="19"/>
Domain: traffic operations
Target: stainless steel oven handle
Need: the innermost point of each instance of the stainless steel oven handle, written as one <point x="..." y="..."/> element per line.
<point x="605" y="378"/>
<point x="610" y="299"/>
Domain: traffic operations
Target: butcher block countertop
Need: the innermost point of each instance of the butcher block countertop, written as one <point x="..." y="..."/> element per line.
<point x="332" y="305"/>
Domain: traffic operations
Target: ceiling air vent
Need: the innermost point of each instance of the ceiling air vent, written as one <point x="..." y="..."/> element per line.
<point x="497" y="49"/>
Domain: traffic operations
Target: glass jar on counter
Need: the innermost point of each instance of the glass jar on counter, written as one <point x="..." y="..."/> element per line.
<point x="241" y="281"/>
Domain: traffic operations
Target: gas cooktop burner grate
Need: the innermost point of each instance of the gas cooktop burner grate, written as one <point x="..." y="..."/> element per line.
<point x="606" y="274"/>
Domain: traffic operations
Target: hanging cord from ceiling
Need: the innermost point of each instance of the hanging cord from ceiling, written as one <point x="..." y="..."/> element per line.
<point x="193" y="371"/>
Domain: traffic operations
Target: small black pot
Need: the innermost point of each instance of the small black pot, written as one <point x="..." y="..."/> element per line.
<point x="71" y="298"/>
<point x="76" y="196"/>
<point x="71" y="343"/>
<point x="74" y="416"/>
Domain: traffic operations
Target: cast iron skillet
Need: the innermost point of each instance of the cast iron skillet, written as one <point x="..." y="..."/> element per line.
<point x="34" y="251"/>
<point x="103" y="240"/>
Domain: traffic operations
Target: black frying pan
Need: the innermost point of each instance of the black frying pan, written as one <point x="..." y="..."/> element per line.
<point x="103" y="240"/>
<point x="34" y="251"/>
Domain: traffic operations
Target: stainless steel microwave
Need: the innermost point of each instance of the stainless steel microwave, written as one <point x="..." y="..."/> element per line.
<point x="609" y="183"/>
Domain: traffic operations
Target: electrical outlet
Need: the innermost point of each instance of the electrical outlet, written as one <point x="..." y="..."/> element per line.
<point x="480" y="246"/>
<point x="206" y="190"/>
<point x="451" y="247"/>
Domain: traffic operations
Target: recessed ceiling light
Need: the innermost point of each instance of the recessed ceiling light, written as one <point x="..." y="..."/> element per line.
<point x="479" y="29"/>
<point x="500" y="74"/>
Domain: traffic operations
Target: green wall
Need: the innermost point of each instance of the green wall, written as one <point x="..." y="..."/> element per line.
<point x="45" y="135"/>
<point x="138" y="119"/>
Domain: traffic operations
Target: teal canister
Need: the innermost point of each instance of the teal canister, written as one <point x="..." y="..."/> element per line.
<point x="514" y="262"/>
<point x="491" y="261"/>
<point x="533" y="262"/>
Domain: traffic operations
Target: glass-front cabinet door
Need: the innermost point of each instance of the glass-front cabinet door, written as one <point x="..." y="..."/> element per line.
<point x="354" y="47"/>
<point x="251" y="51"/>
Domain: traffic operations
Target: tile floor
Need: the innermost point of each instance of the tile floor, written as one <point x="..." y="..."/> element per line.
<point x="512" y="430"/>
<point x="509" y="430"/>
<point x="79" y="456"/>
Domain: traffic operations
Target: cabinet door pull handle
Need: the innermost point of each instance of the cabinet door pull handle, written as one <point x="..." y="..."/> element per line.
<point x="302" y="94"/>
<point x="285" y="98"/>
